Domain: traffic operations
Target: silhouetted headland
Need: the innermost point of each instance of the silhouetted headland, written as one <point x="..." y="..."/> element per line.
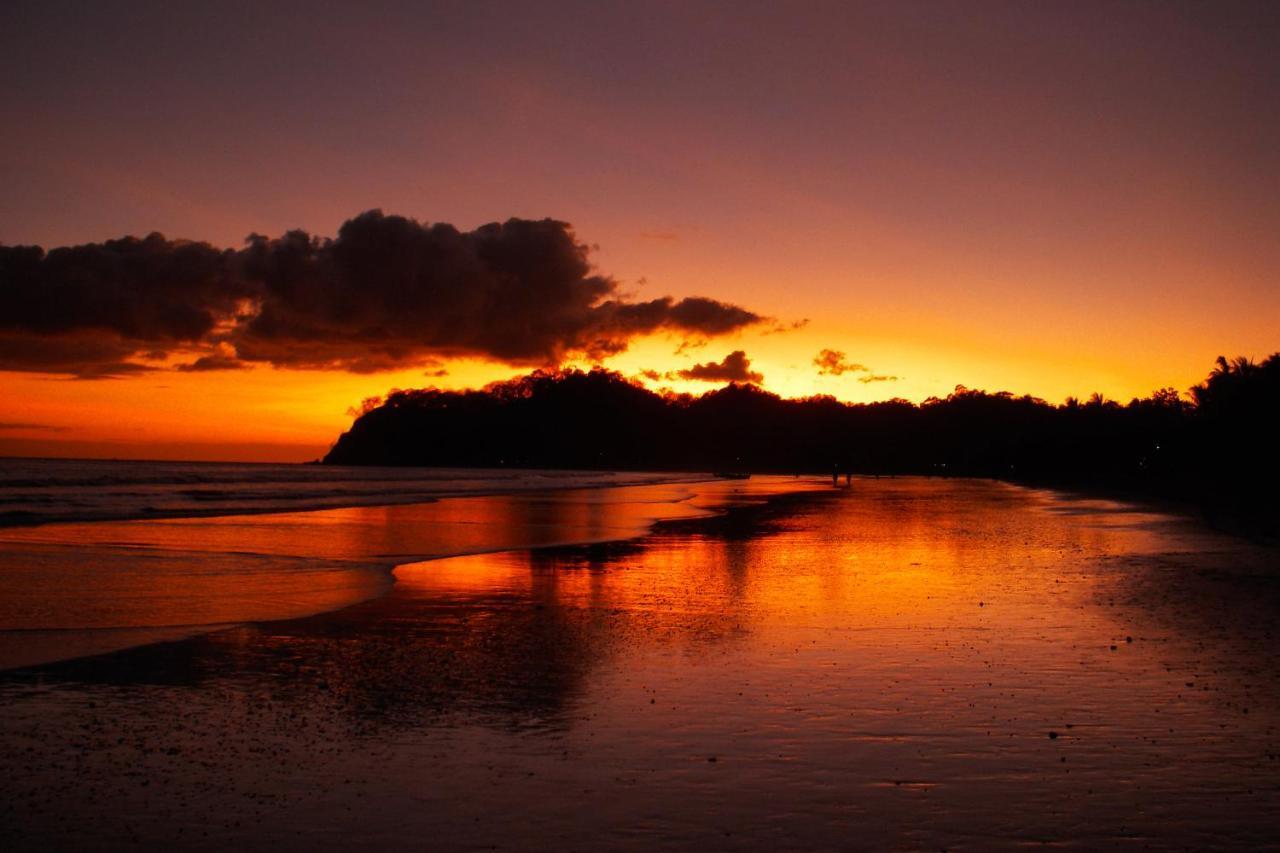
<point x="1217" y="448"/>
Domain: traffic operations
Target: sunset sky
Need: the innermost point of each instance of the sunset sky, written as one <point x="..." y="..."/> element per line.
<point x="1052" y="199"/>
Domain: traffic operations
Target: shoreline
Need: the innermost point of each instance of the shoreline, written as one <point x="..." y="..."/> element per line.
<point x="731" y="521"/>
<point x="709" y="505"/>
<point x="510" y="486"/>
<point x="1220" y="518"/>
<point x="733" y="514"/>
<point x="1190" y="508"/>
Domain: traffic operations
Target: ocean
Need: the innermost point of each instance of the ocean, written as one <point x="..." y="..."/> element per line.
<point x="99" y="555"/>
<point x="36" y="491"/>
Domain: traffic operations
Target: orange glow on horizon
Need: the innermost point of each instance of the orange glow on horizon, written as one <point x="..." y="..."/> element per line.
<point x="266" y="414"/>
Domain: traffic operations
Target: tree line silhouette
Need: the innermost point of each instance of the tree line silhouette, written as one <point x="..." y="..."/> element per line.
<point x="1217" y="447"/>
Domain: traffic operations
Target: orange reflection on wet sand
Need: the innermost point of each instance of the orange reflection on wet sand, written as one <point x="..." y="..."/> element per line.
<point x="89" y="587"/>
<point x="925" y="660"/>
<point x="907" y="664"/>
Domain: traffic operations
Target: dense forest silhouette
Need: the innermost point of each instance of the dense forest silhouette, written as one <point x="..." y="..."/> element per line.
<point x="1217" y="447"/>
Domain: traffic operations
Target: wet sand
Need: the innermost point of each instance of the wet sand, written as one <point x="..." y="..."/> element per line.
<point x="71" y="589"/>
<point x="908" y="664"/>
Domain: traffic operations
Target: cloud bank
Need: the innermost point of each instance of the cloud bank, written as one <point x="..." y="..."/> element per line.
<point x="387" y="292"/>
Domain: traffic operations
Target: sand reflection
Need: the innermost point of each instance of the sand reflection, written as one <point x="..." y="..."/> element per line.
<point x="69" y="589"/>
<point x="910" y="663"/>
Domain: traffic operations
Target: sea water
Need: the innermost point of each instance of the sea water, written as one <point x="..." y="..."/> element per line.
<point x="117" y="554"/>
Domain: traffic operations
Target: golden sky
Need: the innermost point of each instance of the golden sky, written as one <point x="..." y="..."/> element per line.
<point x="1052" y="199"/>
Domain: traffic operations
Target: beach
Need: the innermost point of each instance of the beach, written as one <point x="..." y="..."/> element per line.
<point x="905" y="664"/>
<point x="100" y="555"/>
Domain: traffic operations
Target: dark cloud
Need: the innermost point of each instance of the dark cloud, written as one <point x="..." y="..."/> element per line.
<point x="110" y="370"/>
<point x="387" y="292"/>
<point x="213" y="362"/>
<point x="694" y="318"/>
<point x="735" y="367"/>
<point x="90" y="311"/>
<point x="222" y="356"/>
<point x="877" y="378"/>
<point x="149" y="289"/>
<point x="18" y="425"/>
<point x="832" y="362"/>
<point x="91" y="354"/>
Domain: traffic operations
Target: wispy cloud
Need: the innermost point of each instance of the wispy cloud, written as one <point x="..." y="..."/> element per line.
<point x="832" y="362"/>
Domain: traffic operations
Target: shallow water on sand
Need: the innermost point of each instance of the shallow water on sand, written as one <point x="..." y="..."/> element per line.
<point x="71" y="589"/>
<point x="908" y="664"/>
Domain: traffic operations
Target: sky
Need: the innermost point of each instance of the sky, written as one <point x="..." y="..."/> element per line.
<point x="1048" y="198"/>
